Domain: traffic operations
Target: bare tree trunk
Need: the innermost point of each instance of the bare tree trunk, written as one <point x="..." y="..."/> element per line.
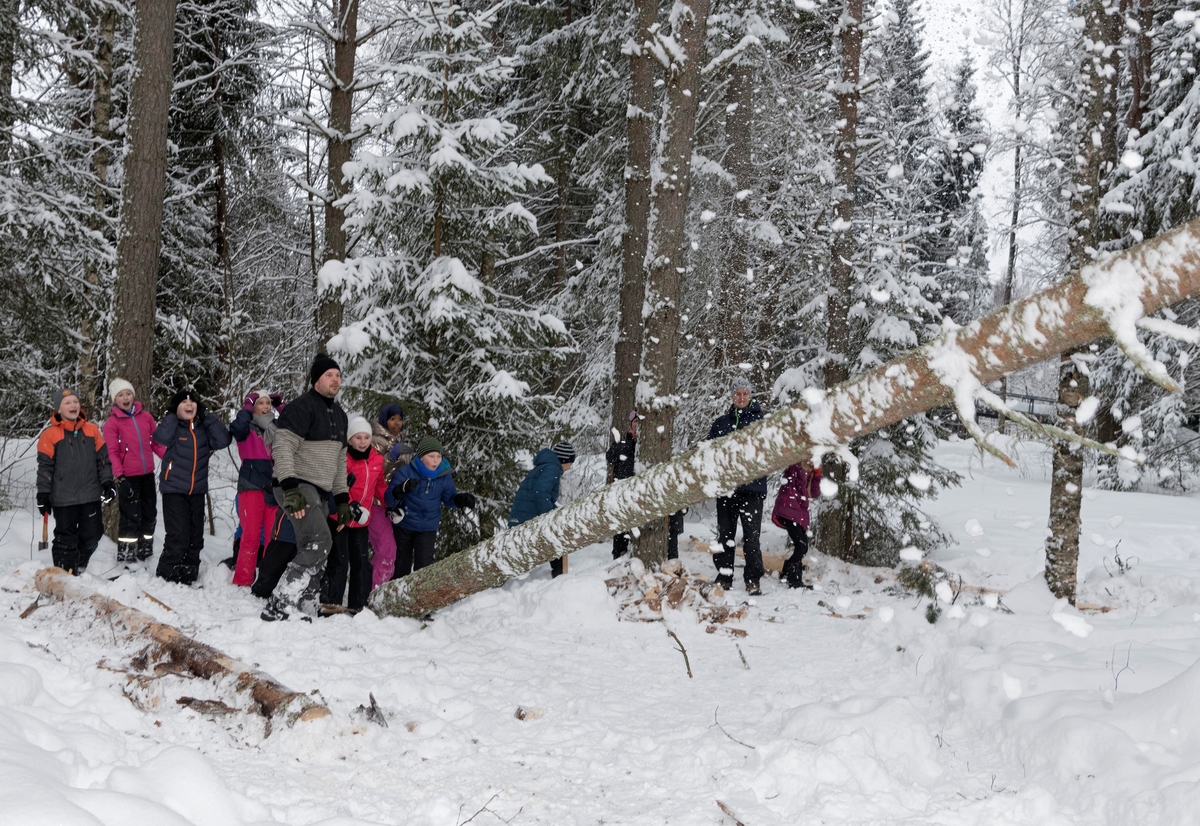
<point x="1139" y="60"/>
<point x="835" y="533"/>
<point x="140" y="238"/>
<point x="739" y="129"/>
<point x="340" y="149"/>
<point x="1097" y="151"/>
<point x="667" y="256"/>
<point x="639" y="120"/>
<point x="90" y="385"/>
<point x="1154" y="275"/>
<point x="10" y="14"/>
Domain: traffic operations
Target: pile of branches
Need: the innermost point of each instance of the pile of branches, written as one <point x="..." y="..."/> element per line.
<point x="643" y="594"/>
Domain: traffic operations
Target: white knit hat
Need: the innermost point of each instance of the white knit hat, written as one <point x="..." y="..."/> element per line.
<point x="358" y="425"/>
<point x="116" y="386"/>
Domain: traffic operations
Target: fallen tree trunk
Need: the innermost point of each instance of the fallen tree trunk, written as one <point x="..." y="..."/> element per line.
<point x="1105" y="299"/>
<point x="179" y="653"/>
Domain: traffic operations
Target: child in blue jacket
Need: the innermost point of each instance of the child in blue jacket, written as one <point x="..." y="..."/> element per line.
<point x="420" y="489"/>
<point x="539" y="490"/>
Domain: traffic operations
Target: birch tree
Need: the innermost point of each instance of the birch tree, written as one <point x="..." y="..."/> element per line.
<point x="1110" y="297"/>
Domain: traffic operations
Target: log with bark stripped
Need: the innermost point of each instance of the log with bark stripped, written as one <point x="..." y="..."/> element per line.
<point x="168" y="646"/>
<point x="1108" y="298"/>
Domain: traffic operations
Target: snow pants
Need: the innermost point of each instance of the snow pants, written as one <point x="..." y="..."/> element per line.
<point x="256" y="518"/>
<point x="77" y="532"/>
<point x="747" y="508"/>
<point x="138" y="500"/>
<point x="299" y="587"/>
<point x="350" y="559"/>
<point x="793" y="570"/>
<point x="383" y="542"/>
<point x="414" y="550"/>
<point x="183" y="517"/>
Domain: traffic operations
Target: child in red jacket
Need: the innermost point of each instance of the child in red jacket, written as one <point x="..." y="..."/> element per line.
<point x="351" y="553"/>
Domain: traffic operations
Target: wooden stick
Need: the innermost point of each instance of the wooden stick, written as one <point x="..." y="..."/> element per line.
<point x="167" y="644"/>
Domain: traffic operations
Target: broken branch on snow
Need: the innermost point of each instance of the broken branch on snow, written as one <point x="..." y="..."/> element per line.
<point x="171" y="651"/>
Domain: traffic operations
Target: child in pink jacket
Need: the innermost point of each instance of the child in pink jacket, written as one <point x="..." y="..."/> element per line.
<point x="254" y="478"/>
<point x="128" y="433"/>
<point x="801" y="484"/>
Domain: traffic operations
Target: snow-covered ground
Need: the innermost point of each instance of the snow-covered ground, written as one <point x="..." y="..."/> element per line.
<point x="1015" y="710"/>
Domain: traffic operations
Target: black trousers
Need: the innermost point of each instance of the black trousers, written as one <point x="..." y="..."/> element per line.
<point x="271" y="566"/>
<point x="183" y="517"/>
<point x="748" y="508"/>
<point x="77" y="532"/>
<point x="414" y="550"/>
<point x="139" y="509"/>
<point x="793" y="570"/>
<point x="350" y="559"/>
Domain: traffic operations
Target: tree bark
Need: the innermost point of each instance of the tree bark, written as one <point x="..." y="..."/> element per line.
<point x="835" y="534"/>
<point x="139" y="240"/>
<point x="166" y="644"/>
<point x="667" y="256"/>
<point x="9" y="32"/>
<point x="739" y="130"/>
<point x="90" y="385"/>
<point x="1077" y="310"/>
<point x="1139" y="59"/>
<point x="339" y="151"/>
<point x="1096" y="160"/>
<point x="639" y="120"/>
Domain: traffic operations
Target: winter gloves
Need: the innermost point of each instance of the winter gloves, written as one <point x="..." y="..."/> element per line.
<point x="396" y="515"/>
<point x="404" y="488"/>
<point x="464" y="500"/>
<point x="108" y="492"/>
<point x="43" y="503"/>
<point x="294" y="501"/>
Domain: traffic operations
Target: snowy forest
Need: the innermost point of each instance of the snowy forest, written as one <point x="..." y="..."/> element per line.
<point x="950" y="248"/>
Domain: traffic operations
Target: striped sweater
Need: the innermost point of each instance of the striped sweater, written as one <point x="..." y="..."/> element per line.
<point x="310" y="444"/>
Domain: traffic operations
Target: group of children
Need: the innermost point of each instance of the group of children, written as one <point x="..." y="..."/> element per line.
<point x="383" y="527"/>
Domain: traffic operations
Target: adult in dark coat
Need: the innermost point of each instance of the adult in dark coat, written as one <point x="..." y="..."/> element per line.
<point x="746" y="501"/>
<point x="620" y="458"/>
<point x="539" y="489"/>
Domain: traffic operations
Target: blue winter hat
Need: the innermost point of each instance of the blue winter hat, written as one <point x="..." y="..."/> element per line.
<point x="388" y="411"/>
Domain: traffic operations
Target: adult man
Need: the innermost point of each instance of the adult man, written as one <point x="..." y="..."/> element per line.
<point x="309" y="449"/>
<point x="746" y="501"/>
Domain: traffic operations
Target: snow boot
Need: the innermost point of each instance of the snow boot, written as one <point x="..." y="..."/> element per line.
<point x="126" y="551"/>
<point x="753" y="590"/>
<point x="275" y="610"/>
<point x="145" y="548"/>
<point x="725" y="581"/>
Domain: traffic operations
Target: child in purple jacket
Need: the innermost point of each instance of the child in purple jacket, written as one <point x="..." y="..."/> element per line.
<point x="128" y="434"/>
<point x="801" y="484"/>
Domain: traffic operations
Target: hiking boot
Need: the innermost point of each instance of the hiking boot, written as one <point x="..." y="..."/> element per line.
<point x="126" y="551"/>
<point x="725" y="581"/>
<point x="752" y="589"/>
<point x="145" y="548"/>
<point x="275" y="610"/>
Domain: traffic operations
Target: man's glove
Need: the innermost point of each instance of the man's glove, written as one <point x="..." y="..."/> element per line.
<point x="43" y="503"/>
<point x="343" y="509"/>
<point x="125" y="489"/>
<point x="294" y="501"/>
<point x="108" y="492"/>
<point x="404" y="488"/>
<point x="464" y="500"/>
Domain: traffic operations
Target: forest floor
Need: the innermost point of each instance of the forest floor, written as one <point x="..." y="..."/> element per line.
<point x="534" y="703"/>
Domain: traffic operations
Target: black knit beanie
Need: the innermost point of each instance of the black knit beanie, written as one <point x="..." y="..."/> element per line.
<point x="180" y="397"/>
<point x="320" y="365"/>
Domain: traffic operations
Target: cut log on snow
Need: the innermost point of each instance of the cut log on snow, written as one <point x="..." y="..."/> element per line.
<point x="1109" y="298"/>
<point x="177" y="653"/>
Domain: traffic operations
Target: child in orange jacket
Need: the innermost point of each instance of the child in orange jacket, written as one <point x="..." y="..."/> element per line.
<point x="350" y="557"/>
